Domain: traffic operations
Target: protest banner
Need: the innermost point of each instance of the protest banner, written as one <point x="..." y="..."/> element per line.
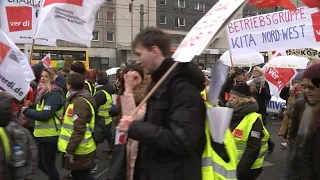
<point x="75" y="19"/>
<point x="15" y="71"/>
<point x="19" y="21"/>
<point x="274" y="31"/>
<point x="209" y="26"/>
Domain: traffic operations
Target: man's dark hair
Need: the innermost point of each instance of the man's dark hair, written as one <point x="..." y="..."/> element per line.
<point x="201" y="64"/>
<point x="76" y="81"/>
<point x="152" y="36"/>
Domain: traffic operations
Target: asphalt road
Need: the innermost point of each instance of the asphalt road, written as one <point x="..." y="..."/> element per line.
<point x="273" y="165"/>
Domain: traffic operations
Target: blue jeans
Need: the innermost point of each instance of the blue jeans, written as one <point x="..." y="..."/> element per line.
<point x="47" y="160"/>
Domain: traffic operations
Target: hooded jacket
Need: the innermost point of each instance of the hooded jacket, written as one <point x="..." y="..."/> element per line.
<point x="171" y="137"/>
<point x="83" y="112"/>
<point x="17" y="134"/>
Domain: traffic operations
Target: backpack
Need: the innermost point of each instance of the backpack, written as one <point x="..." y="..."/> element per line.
<point x="19" y="136"/>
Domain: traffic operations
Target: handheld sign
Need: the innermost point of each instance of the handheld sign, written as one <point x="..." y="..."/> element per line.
<point x="268" y="32"/>
<point x="207" y="28"/>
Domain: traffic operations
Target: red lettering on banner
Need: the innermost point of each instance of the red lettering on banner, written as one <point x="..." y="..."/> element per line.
<point x="316" y="25"/>
<point x="238" y="133"/>
<point x="19" y="18"/>
<point x="266" y="20"/>
<point x="279" y="77"/>
<point x="4" y="50"/>
<point x="73" y="2"/>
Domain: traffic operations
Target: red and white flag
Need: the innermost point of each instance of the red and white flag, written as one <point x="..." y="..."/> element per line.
<point x="19" y="21"/>
<point x="47" y="60"/>
<point x="68" y="20"/>
<point x="15" y="71"/>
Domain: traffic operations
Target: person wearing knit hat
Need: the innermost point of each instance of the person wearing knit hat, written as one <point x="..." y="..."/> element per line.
<point x="309" y="126"/>
<point x="247" y="128"/>
<point x="78" y="67"/>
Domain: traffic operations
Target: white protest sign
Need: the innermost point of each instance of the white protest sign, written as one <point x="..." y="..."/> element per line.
<point x="273" y="31"/>
<point x="69" y="20"/>
<point x="206" y="29"/>
<point x="19" y="21"/>
<point x="15" y="71"/>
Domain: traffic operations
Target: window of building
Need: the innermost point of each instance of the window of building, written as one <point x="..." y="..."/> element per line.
<point x="108" y="1"/>
<point x="179" y="22"/>
<point x="176" y="40"/>
<point x="95" y="36"/>
<point x="163" y="19"/>
<point x="181" y="3"/>
<point x="97" y="16"/>
<point x="110" y="37"/>
<point x="163" y="2"/>
<point x="200" y="6"/>
<point x="110" y="17"/>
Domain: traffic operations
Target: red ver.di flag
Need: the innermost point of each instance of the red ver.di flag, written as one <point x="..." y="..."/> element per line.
<point x="68" y="20"/>
<point x="15" y="71"/>
<point x="209" y="26"/>
<point x="19" y="20"/>
<point x="47" y="60"/>
<point x="278" y="78"/>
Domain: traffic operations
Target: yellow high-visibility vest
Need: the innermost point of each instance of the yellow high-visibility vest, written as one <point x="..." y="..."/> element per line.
<point x="104" y="109"/>
<point x="87" y="144"/>
<point x="6" y="144"/>
<point x="47" y="128"/>
<point x="241" y="135"/>
<point x="213" y="166"/>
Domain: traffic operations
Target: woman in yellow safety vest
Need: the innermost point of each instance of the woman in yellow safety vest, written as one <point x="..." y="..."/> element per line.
<point x="249" y="132"/>
<point x="47" y="113"/>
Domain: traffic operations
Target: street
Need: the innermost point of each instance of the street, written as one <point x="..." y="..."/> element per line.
<point x="273" y="165"/>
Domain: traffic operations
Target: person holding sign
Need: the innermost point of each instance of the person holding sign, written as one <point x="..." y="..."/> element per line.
<point x="172" y="135"/>
<point x="249" y="132"/>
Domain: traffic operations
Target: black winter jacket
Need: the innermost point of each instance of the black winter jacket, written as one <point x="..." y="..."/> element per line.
<point x="171" y="137"/>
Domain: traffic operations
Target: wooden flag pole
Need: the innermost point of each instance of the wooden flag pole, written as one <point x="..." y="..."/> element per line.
<point x="145" y="99"/>
<point x="31" y="51"/>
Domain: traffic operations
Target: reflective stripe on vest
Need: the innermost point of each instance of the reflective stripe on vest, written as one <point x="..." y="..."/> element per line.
<point x="87" y="145"/>
<point x="213" y="166"/>
<point x="91" y="88"/>
<point x="6" y="144"/>
<point x="104" y="109"/>
<point x="48" y="128"/>
<point x="241" y="135"/>
<point x="204" y="95"/>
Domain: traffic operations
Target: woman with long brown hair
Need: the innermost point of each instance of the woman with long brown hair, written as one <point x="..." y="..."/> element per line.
<point x="133" y="85"/>
<point x="47" y="112"/>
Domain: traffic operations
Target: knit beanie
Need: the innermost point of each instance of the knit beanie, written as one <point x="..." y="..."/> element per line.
<point x="241" y="89"/>
<point x="312" y="72"/>
<point x="78" y="67"/>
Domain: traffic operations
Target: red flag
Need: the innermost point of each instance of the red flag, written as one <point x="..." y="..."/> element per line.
<point x="312" y="3"/>
<point x="47" y="60"/>
<point x="4" y="49"/>
<point x="273" y="4"/>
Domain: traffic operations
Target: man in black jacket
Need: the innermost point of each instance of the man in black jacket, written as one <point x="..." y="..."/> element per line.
<point x="171" y="137"/>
